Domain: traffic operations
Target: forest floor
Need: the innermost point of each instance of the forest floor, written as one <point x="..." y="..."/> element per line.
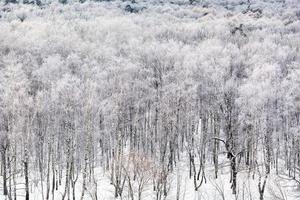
<point x="278" y="187"/>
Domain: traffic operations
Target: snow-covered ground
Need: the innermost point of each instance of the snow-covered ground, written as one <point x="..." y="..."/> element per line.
<point x="279" y="187"/>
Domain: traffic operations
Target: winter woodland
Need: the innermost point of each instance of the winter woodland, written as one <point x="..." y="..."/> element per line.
<point x="150" y="100"/>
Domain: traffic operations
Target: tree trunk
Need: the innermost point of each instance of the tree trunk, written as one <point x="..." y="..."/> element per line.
<point x="234" y="175"/>
<point x="5" y="191"/>
<point x="84" y="177"/>
<point x="26" y="178"/>
<point x="67" y="183"/>
<point x="48" y="172"/>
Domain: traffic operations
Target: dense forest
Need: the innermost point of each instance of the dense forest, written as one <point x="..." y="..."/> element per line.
<point x="126" y="100"/>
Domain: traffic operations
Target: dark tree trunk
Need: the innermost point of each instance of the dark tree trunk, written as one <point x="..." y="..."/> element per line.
<point x="26" y="180"/>
<point x="234" y="175"/>
<point x="5" y="191"/>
